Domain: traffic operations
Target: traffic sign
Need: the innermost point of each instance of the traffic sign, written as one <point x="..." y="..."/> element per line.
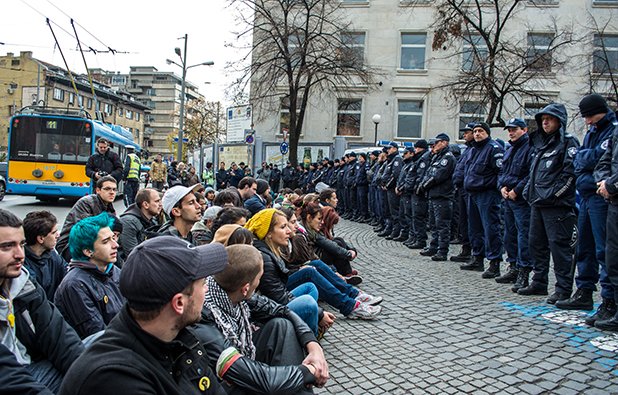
<point x="284" y="148"/>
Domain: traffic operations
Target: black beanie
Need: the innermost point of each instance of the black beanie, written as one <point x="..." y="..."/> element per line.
<point x="262" y="186"/>
<point x="593" y="104"/>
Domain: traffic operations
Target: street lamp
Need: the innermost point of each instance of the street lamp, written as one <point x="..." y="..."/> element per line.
<point x="376" y="120"/>
<point x="184" y="68"/>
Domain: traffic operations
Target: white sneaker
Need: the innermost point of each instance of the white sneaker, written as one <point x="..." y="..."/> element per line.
<point x="363" y="311"/>
<point x="368" y="299"/>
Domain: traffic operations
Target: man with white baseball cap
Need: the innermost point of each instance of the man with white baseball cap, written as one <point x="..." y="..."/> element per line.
<point x="184" y="210"/>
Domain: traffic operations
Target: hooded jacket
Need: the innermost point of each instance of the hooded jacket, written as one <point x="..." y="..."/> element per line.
<point x="607" y="169"/>
<point x="552" y="174"/>
<point x="88" y="298"/>
<point x="48" y="270"/>
<point x="135" y="228"/>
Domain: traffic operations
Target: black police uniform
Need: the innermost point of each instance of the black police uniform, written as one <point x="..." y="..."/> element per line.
<point x="389" y="182"/>
<point x="350" y="189"/>
<point x="362" y="189"/>
<point x="420" y="202"/>
<point x="405" y="203"/>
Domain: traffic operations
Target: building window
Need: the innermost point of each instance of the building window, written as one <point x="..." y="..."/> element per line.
<point x="470" y="111"/>
<point x="530" y="110"/>
<point x="58" y="94"/>
<point x="119" y="80"/>
<point x="284" y="113"/>
<point x="349" y="117"/>
<point x="108" y="109"/>
<point x="151" y="92"/>
<point x="409" y="118"/>
<point x="354" y="51"/>
<point x="120" y="111"/>
<point x="474" y="52"/>
<point x="129" y="114"/>
<point x="605" y="54"/>
<point x="295" y="49"/>
<point x="538" y="55"/>
<point x="413" y="51"/>
<point x="138" y="116"/>
<point x="89" y="103"/>
<point x="71" y="98"/>
<point x="80" y="101"/>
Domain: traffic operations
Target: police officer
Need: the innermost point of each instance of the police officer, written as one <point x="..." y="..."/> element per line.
<point x="592" y="207"/>
<point x="382" y="195"/>
<point x="378" y="196"/>
<point x="389" y="183"/>
<point x="341" y="188"/>
<point x="462" y="196"/>
<point x="405" y="195"/>
<point x="511" y="182"/>
<point x="481" y="184"/>
<point x="419" y="203"/>
<point x="371" y="173"/>
<point x="438" y="182"/>
<point x="362" y="189"/>
<point x="288" y="175"/>
<point x="350" y="187"/>
<point x="132" y="168"/>
<point x="550" y="191"/>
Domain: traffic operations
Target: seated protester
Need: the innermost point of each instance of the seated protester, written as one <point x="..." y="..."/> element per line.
<point x="233" y="234"/>
<point x="270" y="228"/>
<point x="201" y="200"/>
<point x="305" y="266"/>
<point x="88" y="206"/>
<point x="180" y="204"/>
<point x="328" y="197"/>
<point x="89" y="296"/>
<point x="139" y="221"/>
<point x="149" y="348"/>
<point x="337" y="257"/>
<point x="44" y="264"/>
<point x="258" y="201"/>
<point x="230" y="215"/>
<point x="228" y="198"/>
<point x="269" y="360"/>
<point x="210" y="193"/>
<point x="117" y="228"/>
<point x="37" y="346"/>
<point x="201" y="231"/>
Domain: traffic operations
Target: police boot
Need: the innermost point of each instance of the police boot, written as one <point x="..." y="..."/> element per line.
<point x="410" y="240"/>
<point x="523" y="278"/>
<point x="510" y="276"/>
<point x="610" y="324"/>
<point x="393" y="235"/>
<point x="428" y="251"/>
<point x="581" y="300"/>
<point x="374" y="222"/>
<point x="385" y="232"/>
<point x="417" y="245"/>
<point x="476" y="263"/>
<point x="606" y="310"/>
<point x="533" y="289"/>
<point x="464" y="255"/>
<point x="403" y="236"/>
<point x="493" y="270"/>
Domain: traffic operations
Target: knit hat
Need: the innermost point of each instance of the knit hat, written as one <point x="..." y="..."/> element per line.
<point x="222" y="235"/>
<point x="260" y="222"/>
<point x="484" y="126"/>
<point x="422" y="143"/>
<point x="211" y="212"/>
<point x="262" y="186"/>
<point x="593" y="104"/>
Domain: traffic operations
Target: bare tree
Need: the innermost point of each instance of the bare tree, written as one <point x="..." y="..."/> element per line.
<point x="497" y="62"/>
<point x="203" y="125"/>
<point x="299" y="49"/>
<point x="602" y="68"/>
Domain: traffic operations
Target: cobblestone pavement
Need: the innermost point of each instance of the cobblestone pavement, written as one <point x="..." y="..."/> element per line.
<point x="446" y="331"/>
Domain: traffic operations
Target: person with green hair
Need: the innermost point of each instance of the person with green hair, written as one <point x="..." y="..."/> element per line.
<point x="89" y="295"/>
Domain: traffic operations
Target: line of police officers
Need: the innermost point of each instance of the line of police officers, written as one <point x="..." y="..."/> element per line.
<point x="520" y="200"/>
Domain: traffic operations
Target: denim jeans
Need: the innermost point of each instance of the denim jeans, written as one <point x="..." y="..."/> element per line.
<point x="305" y="304"/>
<point x="332" y="289"/>
<point x="517" y="224"/>
<point x="484" y="224"/>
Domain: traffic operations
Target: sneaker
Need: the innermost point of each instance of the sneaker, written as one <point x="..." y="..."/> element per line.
<point x="363" y="311"/>
<point x="353" y="279"/>
<point x="368" y="299"/>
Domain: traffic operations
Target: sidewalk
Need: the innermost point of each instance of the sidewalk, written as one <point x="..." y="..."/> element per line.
<point x="445" y="331"/>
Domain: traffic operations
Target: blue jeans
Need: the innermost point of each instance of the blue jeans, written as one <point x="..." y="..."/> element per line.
<point x="517" y="224"/>
<point x="591" y="223"/>
<point x="331" y="287"/>
<point x="305" y="304"/>
<point x="484" y="224"/>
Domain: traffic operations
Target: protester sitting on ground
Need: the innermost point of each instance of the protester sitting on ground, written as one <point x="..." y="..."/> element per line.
<point x="44" y="264"/>
<point x="149" y="348"/>
<point x="37" y="346"/>
<point x="267" y="361"/>
<point x="88" y="206"/>
<point x="228" y="198"/>
<point x="247" y="187"/>
<point x="117" y="229"/>
<point x="201" y="200"/>
<point x="210" y="194"/>
<point x="202" y="233"/>
<point x="233" y="234"/>
<point x="338" y="257"/>
<point x="328" y="197"/>
<point x="258" y="201"/>
<point x="309" y="198"/>
<point x="89" y="296"/>
<point x="139" y="221"/>
<point x="270" y="228"/>
<point x="230" y="215"/>
<point x="305" y="266"/>
<point x="180" y="204"/>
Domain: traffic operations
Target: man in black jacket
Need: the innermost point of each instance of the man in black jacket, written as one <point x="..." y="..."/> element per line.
<point x="389" y="183"/>
<point x="104" y="162"/>
<point x="139" y="221"/>
<point x="148" y="348"/>
<point x="269" y="361"/>
<point x="418" y="201"/>
<point x="223" y="177"/>
<point x="550" y="191"/>
<point x="405" y="205"/>
<point x="37" y="346"/>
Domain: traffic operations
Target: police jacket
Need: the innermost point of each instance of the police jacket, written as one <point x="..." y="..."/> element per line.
<point x="88" y="298"/>
<point x="595" y="143"/>
<point x="410" y="181"/>
<point x="42" y="330"/>
<point x="288" y="174"/>
<point x="361" y="174"/>
<point x="437" y="180"/>
<point x="245" y="375"/>
<point x="275" y="277"/>
<point x="552" y="174"/>
<point x="135" y="228"/>
<point x="607" y="169"/>
<point x="515" y="169"/>
<point x="401" y="181"/>
<point x="392" y="170"/>
<point x="128" y="360"/>
<point x="350" y="174"/>
<point x="47" y="270"/>
<point x="462" y="163"/>
<point x="222" y="179"/>
<point x="421" y="167"/>
<point x="332" y="179"/>
<point x="109" y="163"/>
<point x="481" y="171"/>
<point x="275" y="175"/>
<point x="318" y="176"/>
<point x="341" y="176"/>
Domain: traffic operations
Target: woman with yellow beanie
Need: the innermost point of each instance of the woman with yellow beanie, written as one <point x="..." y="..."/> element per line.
<point x="270" y="228"/>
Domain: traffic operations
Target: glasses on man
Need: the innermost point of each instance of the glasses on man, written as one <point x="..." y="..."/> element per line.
<point x="109" y="189"/>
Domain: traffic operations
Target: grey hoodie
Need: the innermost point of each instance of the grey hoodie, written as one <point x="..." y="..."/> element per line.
<point x="8" y="337"/>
